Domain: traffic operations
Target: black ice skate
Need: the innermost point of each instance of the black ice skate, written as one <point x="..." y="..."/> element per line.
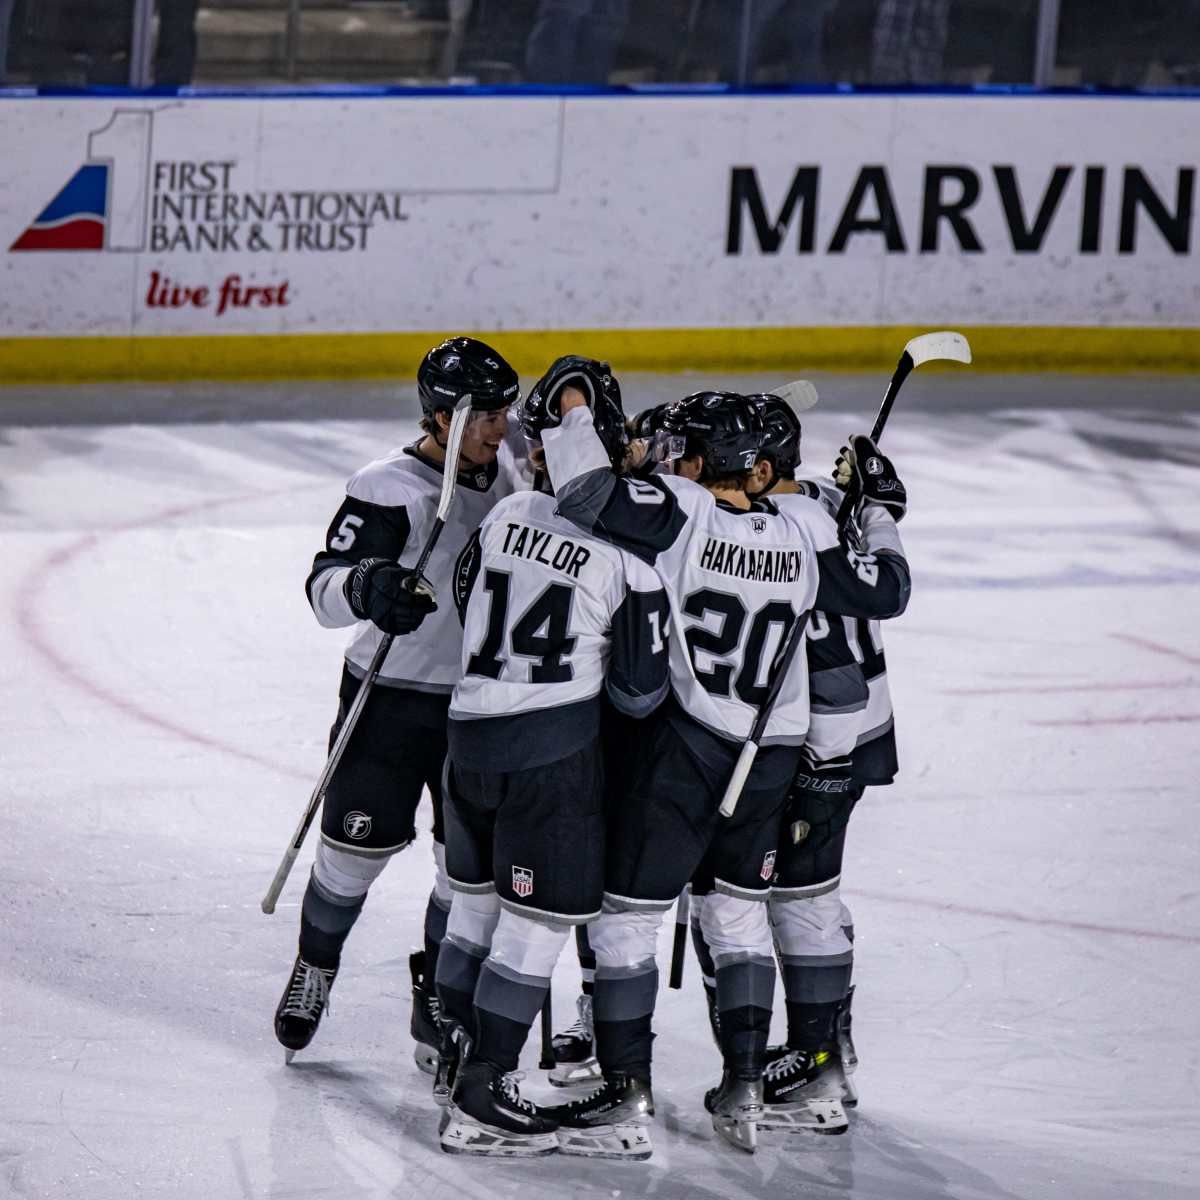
<point x="846" y="1049"/>
<point x="612" y="1122"/>
<point x="804" y="1089"/>
<point x="714" y="1013"/>
<point x="425" y="1025"/>
<point x="488" y="1116"/>
<point x="454" y="1049"/>
<point x="736" y="1106"/>
<point x="304" y="1002"/>
<point x="575" y="1050"/>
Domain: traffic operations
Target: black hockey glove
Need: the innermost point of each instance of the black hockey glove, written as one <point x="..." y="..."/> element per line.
<point x="874" y="478"/>
<point x="390" y="596"/>
<point x="541" y="408"/>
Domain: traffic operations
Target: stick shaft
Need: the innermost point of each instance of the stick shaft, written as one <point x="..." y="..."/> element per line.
<point x="546" y="1062"/>
<point x="679" y="945"/>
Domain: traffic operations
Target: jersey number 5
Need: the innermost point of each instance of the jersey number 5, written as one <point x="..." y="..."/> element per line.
<point x="540" y="633"/>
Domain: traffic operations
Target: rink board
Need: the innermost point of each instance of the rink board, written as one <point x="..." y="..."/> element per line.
<point x="258" y="236"/>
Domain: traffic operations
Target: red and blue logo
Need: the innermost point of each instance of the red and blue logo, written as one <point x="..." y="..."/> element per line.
<point x="77" y="218"/>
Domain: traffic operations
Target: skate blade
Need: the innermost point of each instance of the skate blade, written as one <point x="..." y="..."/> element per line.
<point x="741" y="1134"/>
<point x="576" y="1074"/>
<point x="463" y="1136"/>
<point x="629" y="1142"/>
<point x="813" y="1116"/>
<point x="426" y="1058"/>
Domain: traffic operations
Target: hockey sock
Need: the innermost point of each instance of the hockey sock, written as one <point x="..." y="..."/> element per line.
<point x="436" y="916"/>
<point x="512" y="986"/>
<point x="812" y="1026"/>
<point x="745" y="989"/>
<point x="325" y="922"/>
<point x="468" y="939"/>
<point x="625" y="990"/>
<point x="587" y="959"/>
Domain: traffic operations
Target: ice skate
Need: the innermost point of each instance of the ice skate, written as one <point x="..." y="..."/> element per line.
<point x="846" y="1050"/>
<point x="574" y="1050"/>
<point x="612" y="1122"/>
<point x="304" y="1002"/>
<point x="425" y="1025"/>
<point x="455" y="1048"/>
<point x="804" y="1090"/>
<point x="714" y="1013"/>
<point x="488" y="1117"/>
<point x="736" y="1106"/>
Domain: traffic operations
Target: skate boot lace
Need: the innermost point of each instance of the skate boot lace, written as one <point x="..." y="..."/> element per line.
<point x="782" y="1066"/>
<point x="582" y="1029"/>
<point x="508" y="1085"/>
<point x="308" y="996"/>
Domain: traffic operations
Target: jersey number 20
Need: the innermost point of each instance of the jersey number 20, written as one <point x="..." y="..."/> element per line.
<point x="539" y="634"/>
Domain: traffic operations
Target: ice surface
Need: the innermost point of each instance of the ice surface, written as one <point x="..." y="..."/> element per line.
<point x="1026" y="898"/>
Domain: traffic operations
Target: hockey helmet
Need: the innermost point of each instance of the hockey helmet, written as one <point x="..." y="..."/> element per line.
<point x="725" y="428"/>
<point x="541" y="409"/>
<point x="464" y="366"/>
<point x="781" y="434"/>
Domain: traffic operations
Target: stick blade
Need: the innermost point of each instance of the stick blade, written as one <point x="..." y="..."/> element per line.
<point x="800" y="395"/>
<point x="945" y="344"/>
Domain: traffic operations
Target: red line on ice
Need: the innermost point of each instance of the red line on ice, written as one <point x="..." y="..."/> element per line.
<point x="969" y="910"/>
<point x="1051" y="689"/>
<point x="29" y="623"/>
<point x="1157" y="647"/>
<point x="1082" y="722"/>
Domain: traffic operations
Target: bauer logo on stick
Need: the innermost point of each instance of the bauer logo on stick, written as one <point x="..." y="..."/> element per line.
<point x="357" y="825"/>
<point x="522" y="882"/>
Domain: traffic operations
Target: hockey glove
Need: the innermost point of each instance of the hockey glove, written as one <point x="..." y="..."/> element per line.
<point x="540" y="409"/>
<point x="392" y="597"/>
<point x="871" y="475"/>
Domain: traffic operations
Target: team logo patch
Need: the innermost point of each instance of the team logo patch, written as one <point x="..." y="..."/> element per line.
<point x="759" y="524"/>
<point x="357" y="825"/>
<point x="768" y="867"/>
<point x="874" y="466"/>
<point x="450" y="362"/>
<point x="522" y="882"/>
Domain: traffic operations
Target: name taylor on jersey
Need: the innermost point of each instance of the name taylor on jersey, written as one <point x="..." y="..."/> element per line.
<point x="539" y="545"/>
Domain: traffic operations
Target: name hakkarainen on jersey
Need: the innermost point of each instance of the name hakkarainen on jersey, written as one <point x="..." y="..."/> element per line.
<point x="761" y="565"/>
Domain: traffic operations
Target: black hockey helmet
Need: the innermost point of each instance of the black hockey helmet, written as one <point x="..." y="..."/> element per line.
<point x="540" y="410"/>
<point x="781" y="434"/>
<point x="464" y="366"/>
<point x="646" y="423"/>
<point x="726" y="428"/>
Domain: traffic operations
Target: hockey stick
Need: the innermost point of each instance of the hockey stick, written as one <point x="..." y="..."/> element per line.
<point x="546" y="1062"/>
<point x="679" y="946"/>
<point x="458" y="423"/>
<point x="928" y="347"/>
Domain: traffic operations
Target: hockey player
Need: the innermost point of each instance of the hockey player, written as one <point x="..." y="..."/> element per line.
<point x="552" y="618"/>
<point x="850" y="745"/>
<point x="738" y="575"/>
<point x="399" y="745"/>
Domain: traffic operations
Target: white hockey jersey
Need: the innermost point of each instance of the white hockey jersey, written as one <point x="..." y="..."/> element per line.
<point x="736" y="580"/>
<point x="550" y="617"/>
<point x="388" y="512"/>
<point x="848" y="687"/>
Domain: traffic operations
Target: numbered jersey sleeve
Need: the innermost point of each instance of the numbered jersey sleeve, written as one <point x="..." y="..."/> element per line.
<point x="639" y="670"/>
<point x="363" y="527"/>
<point x="869" y="580"/>
<point x="643" y="516"/>
<point x="837" y="687"/>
